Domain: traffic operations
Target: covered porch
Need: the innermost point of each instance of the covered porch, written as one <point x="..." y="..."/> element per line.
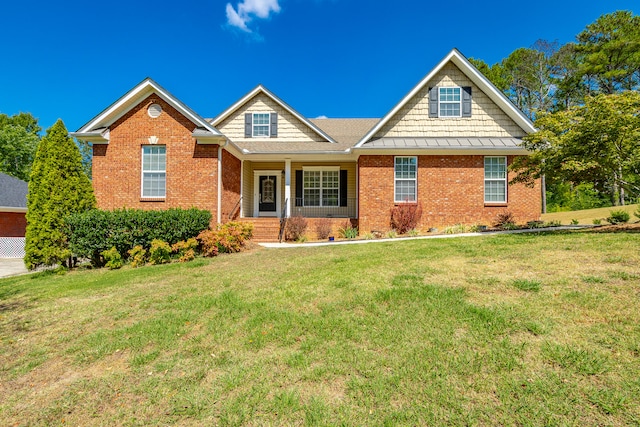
<point x="289" y="188"/>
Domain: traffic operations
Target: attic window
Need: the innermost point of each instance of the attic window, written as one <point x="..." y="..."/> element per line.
<point x="450" y="101"/>
<point x="261" y="125"/>
<point x="154" y="110"/>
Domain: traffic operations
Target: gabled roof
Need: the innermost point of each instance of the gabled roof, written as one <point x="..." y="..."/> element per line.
<point x="476" y="77"/>
<point x="345" y="131"/>
<point x="13" y="194"/>
<point x="263" y="90"/>
<point x="96" y="130"/>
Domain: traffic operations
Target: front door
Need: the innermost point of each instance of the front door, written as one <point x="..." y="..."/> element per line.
<point x="267" y="194"/>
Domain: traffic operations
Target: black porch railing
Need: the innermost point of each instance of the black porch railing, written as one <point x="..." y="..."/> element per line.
<point x="309" y="209"/>
<point x="283" y="221"/>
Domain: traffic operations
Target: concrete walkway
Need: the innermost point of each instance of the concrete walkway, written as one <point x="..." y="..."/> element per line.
<point x="12" y="267"/>
<point x="435" y="236"/>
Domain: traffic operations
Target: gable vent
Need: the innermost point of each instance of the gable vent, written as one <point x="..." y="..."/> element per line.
<point x="154" y="110"/>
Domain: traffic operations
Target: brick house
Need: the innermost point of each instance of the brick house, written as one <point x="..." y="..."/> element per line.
<point x="13" y="209"/>
<point x="446" y="145"/>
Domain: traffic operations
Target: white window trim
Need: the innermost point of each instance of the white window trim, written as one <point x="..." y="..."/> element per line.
<point x="320" y="169"/>
<point x="253" y="125"/>
<point x="395" y="198"/>
<point x="449" y="102"/>
<point x="505" y="179"/>
<point x="142" y="172"/>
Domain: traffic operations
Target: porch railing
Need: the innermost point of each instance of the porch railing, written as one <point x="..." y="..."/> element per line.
<point x="283" y="221"/>
<point x="307" y="208"/>
<point x="235" y="212"/>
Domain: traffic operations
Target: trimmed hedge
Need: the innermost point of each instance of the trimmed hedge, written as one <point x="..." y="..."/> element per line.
<point x="95" y="231"/>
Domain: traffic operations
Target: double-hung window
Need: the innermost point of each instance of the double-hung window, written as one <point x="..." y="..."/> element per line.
<point x="154" y="173"/>
<point x="495" y="179"/>
<point x="321" y="186"/>
<point x="450" y="100"/>
<point x="405" y="169"/>
<point x="261" y="124"/>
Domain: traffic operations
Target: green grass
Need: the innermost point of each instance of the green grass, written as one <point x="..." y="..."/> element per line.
<point x="528" y="329"/>
<point x="586" y="216"/>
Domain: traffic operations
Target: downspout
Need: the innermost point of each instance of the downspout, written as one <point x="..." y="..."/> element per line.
<point x="219" y="209"/>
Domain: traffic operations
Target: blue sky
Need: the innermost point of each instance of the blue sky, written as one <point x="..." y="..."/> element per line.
<point x="337" y="58"/>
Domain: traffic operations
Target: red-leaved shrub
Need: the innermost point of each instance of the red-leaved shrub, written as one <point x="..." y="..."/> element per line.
<point x="295" y="228"/>
<point x="405" y="216"/>
<point x="323" y="228"/>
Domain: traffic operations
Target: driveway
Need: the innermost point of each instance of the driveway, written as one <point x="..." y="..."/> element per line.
<point x="12" y="267"/>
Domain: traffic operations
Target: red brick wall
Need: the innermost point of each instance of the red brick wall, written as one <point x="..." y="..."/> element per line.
<point x="231" y="171"/>
<point x="12" y="224"/>
<point x="192" y="175"/>
<point x="450" y="189"/>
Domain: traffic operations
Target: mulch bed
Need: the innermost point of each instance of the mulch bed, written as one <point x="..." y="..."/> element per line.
<point x="620" y="228"/>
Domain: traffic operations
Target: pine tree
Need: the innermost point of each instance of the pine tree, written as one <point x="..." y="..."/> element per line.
<point x="58" y="187"/>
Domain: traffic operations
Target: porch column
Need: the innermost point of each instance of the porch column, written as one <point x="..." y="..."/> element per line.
<point x="287" y="185"/>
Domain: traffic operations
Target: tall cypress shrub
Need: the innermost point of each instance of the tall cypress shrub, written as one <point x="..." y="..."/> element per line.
<point x="58" y="186"/>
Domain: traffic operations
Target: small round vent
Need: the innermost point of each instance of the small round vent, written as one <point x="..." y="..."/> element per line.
<point x="154" y="110"/>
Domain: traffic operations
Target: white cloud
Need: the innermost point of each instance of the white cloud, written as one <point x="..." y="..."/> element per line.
<point x="247" y="10"/>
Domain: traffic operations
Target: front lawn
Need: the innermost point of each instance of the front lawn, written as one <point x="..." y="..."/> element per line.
<point x="491" y="330"/>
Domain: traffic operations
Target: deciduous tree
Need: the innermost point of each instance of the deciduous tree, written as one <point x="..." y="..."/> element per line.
<point x="18" y="143"/>
<point x="598" y="143"/>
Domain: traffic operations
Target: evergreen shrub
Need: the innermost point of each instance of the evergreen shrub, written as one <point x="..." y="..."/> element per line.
<point x="95" y="231"/>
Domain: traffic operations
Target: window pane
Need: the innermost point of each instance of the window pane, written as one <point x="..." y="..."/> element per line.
<point x="153" y="184"/>
<point x="153" y="158"/>
<point x="495" y="191"/>
<point x="154" y="177"/>
<point x="261" y="124"/>
<point x="405" y="167"/>
<point x="495" y="168"/>
<point x="311" y="197"/>
<point x="450" y="110"/>
<point x="405" y="191"/>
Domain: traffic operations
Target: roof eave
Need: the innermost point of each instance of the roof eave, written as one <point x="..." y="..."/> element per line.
<point x="142" y="90"/>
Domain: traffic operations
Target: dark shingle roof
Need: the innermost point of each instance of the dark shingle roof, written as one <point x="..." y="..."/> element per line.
<point x="13" y="192"/>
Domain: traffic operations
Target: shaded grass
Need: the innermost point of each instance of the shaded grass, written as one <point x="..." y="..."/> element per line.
<point x="586" y="216"/>
<point x="510" y="329"/>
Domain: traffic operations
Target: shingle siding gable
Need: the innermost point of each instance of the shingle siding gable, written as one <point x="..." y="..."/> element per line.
<point x="487" y="119"/>
<point x="289" y="128"/>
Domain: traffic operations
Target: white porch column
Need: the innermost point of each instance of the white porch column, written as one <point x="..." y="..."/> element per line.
<point x="287" y="185"/>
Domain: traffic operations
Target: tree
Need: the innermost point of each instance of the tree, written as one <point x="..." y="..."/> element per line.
<point x="18" y="143"/>
<point x="57" y="188"/>
<point x="610" y="52"/>
<point x="598" y="143"/>
<point x="86" y="153"/>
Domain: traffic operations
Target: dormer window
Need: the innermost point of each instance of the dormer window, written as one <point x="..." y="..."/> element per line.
<point x="260" y="125"/>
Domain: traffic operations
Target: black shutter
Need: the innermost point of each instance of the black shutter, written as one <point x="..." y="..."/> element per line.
<point x="248" y="131"/>
<point x="343" y="188"/>
<point x="433" y="101"/>
<point x="299" y="184"/>
<point x="466" y="101"/>
<point x="274" y="125"/>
